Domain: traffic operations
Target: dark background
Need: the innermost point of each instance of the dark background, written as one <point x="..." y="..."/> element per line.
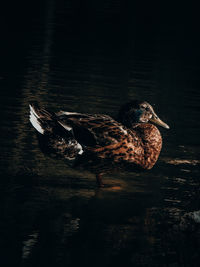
<point x="92" y="56"/>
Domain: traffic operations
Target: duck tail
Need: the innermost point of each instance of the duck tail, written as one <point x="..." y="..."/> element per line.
<point x="38" y="116"/>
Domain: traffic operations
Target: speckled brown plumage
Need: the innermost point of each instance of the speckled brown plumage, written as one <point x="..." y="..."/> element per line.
<point x="140" y="146"/>
<point x="129" y="139"/>
<point x="110" y="139"/>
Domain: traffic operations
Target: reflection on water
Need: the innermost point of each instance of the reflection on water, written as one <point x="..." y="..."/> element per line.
<point x="183" y="161"/>
<point x="28" y="245"/>
<point x="149" y="220"/>
<point x="52" y="215"/>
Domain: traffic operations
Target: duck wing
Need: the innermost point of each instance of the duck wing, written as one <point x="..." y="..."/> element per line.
<point x="93" y="129"/>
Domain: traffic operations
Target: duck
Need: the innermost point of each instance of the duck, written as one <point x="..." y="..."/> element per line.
<point x="132" y="137"/>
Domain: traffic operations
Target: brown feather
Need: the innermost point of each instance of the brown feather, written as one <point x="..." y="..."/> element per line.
<point x="142" y="146"/>
<point x="97" y="141"/>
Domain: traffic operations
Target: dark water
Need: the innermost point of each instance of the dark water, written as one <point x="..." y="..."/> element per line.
<point x="92" y="57"/>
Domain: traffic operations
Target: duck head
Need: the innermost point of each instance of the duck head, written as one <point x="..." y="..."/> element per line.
<point x="139" y="112"/>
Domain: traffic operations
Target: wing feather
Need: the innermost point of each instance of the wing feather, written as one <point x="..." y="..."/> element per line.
<point x="93" y="130"/>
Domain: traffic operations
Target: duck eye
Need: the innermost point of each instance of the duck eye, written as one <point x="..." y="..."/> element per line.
<point x="144" y="107"/>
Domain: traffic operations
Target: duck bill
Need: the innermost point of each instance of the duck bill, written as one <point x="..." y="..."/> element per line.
<point x="158" y="121"/>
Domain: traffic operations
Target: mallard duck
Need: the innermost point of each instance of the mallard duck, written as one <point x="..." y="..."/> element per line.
<point x="130" y="138"/>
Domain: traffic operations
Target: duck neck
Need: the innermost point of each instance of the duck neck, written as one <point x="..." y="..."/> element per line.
<point x="151" y="141"/>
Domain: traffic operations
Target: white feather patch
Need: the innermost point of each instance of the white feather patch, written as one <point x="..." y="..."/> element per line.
<point x="68" y="113"/>
<point x="34" y="120"/>
<point x="33" y="111"/>
<point x="68" y="128"/>
<point x="81" y="149"/>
